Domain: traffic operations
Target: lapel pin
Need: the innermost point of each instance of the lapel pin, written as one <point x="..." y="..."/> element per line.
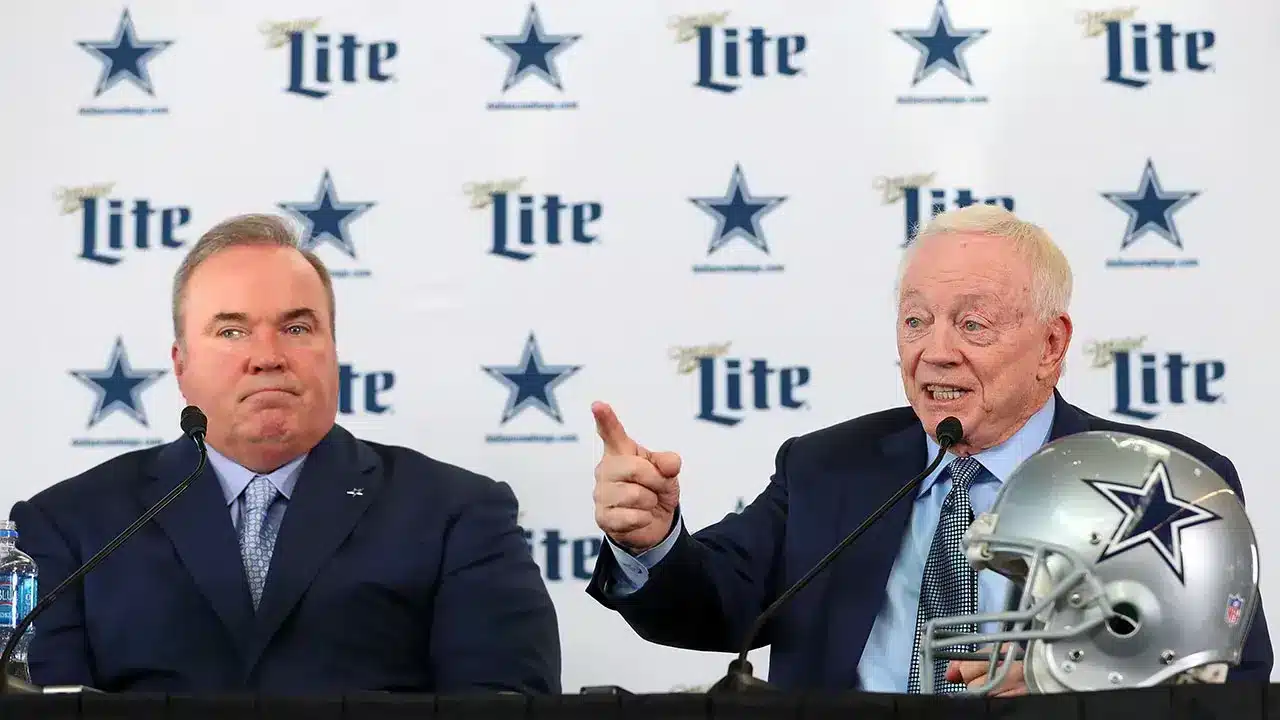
<point x="355" y="492"/>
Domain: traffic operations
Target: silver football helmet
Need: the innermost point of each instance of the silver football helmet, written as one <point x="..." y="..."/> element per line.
<point x="1133" y="564"/>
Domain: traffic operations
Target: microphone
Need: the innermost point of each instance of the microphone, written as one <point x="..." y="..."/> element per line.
<point x="194" y="424"/>
<point x="740" y="677"/>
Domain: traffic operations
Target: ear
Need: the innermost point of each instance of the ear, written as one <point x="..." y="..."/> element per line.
<point x="179" y="362"/>
<point x="1057" y="340"/>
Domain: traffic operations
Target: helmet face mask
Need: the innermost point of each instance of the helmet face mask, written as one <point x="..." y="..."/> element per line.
<point x="1132" y="564"/>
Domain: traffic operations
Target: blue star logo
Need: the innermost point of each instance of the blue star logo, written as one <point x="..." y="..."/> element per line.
<point x="531" y="382"/>
<point x="532" y="51"/>
<point x="124" y="57"/>
<point x="1151" y="208"/>
<point x="941" y="46"/>
<point x="1152" y="516"/>
<point x="118" y="386"/>
<point x="738" y="213"/>
<point x="326" y="218"/>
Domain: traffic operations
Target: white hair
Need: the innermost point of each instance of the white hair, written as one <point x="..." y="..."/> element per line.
<point x="1050" y="272"/>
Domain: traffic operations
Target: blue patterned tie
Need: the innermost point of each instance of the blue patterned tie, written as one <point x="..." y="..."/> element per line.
<point x="950" y="584"/>
<point x="257" y="535"/>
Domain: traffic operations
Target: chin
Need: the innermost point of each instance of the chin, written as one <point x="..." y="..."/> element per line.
<point x="271" y="426"/>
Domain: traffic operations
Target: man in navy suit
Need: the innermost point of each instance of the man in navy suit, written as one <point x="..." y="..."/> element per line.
<point x="982" y="333"/>
<point x="302" y="560"/>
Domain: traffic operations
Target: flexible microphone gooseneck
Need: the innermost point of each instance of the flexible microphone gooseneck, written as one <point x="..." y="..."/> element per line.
<point x="740" y="677"/>
<point x="194" y="425"/>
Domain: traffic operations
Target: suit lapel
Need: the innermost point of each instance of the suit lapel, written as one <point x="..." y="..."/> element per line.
<point x="863" y="570"/>
<point x="866" y="564"/>
<point x="335" y="487"/>
<point x="198" y="524"/>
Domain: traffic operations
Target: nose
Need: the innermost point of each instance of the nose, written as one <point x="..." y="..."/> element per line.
<point x="940" y="347"/>
<point x="266" y="355"/>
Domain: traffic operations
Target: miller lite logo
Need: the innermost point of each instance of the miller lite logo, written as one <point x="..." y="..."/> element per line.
<point x="1146" y="383"/>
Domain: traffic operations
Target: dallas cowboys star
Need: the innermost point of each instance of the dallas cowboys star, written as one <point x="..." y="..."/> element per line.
<point x="327" y="218"/>
<point x="532" y="51"/>
<point x="1151" y="208"/>
<point x="532" y="382"/>
<point x="738" y="213"/>
<point x="941" y="46"/>
<point x="1153" y="516"/>
<point x="118" y="386"/>
<point x="124" y="57"/>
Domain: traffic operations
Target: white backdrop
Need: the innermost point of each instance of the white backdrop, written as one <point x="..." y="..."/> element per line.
<point x="826" y="134"/>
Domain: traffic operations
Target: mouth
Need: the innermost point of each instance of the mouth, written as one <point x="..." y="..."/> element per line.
<point x="946" y="393"/>
<point x="269" y="391"/>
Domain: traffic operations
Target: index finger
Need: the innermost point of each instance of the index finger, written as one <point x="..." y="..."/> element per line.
<point x="610" y="430"/>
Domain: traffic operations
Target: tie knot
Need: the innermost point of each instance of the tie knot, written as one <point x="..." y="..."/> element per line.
<point x="963" y="471"/>
<point x="260" y="493"/>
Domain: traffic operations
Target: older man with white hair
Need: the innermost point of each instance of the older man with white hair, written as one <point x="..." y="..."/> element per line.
<point x="982" y="331"/>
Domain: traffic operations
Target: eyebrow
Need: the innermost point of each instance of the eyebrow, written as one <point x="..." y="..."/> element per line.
<point x="286" y="316"/>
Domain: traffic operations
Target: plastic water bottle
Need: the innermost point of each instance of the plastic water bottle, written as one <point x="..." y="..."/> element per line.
<point x="17" y="594"/>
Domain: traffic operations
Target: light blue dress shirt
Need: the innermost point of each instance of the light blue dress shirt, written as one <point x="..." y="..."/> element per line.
<point x="886" y="658"/>
<point x="234" y="478"/>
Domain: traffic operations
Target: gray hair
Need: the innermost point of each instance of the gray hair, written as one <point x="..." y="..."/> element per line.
<point x="241" y="231"/>
<point x="1051" y="280"/>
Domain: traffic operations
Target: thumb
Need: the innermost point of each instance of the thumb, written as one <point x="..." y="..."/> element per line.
<point x="610" y="430"/>
<point x="668" y="463"/>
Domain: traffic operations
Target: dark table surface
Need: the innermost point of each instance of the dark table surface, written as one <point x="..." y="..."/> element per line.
<point x="1225" y="702"/>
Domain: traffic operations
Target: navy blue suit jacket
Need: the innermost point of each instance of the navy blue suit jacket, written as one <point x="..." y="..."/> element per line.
<point x="707" y="591"/>
<point x="421" y="582"/>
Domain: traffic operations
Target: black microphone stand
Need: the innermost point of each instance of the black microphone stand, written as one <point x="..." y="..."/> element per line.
<point x="740" y="677"/>
<point x="196" y="432"/>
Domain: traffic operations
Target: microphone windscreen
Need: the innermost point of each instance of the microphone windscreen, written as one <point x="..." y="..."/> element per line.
<point x="949" y="431"/>
<point x="193" y="420"/>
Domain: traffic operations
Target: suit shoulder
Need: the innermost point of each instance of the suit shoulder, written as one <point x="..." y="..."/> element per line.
<point x="864" y="431"/>
<point x="419" y="471"/>
<point x="109" y="477"/>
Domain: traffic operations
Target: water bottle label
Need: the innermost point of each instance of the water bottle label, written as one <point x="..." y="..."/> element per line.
<point x="7" y="602"/>
<point x="25" y="599"/>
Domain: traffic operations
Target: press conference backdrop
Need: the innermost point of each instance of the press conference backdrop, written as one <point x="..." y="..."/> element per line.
<point x="691" y="210"/>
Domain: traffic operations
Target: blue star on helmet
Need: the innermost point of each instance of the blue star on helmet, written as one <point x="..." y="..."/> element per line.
<point x="532" y="51"/>
<point x="118" y="386"/>
<point x="941" y="46"/>
<point x="738" y="213"/>
<point x="326" y="218"/>
<point x="124" y="57"/>
<point x="1151" y="208"/>
<point x="1153" y="516"/>
<point x="531" y="382"/>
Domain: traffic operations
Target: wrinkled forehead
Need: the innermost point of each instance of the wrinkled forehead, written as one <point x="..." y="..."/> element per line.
<point x="946" y="269"/>
<point x="255" y="283"/>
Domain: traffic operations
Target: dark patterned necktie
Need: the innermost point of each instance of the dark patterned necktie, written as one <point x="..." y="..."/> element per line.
<point x="949" y="586"/>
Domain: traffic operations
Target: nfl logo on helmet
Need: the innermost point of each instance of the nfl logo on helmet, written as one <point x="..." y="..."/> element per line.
<point x="1235" y="604"/>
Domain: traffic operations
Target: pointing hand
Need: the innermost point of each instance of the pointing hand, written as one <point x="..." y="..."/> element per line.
<point x="637" y="491"/>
